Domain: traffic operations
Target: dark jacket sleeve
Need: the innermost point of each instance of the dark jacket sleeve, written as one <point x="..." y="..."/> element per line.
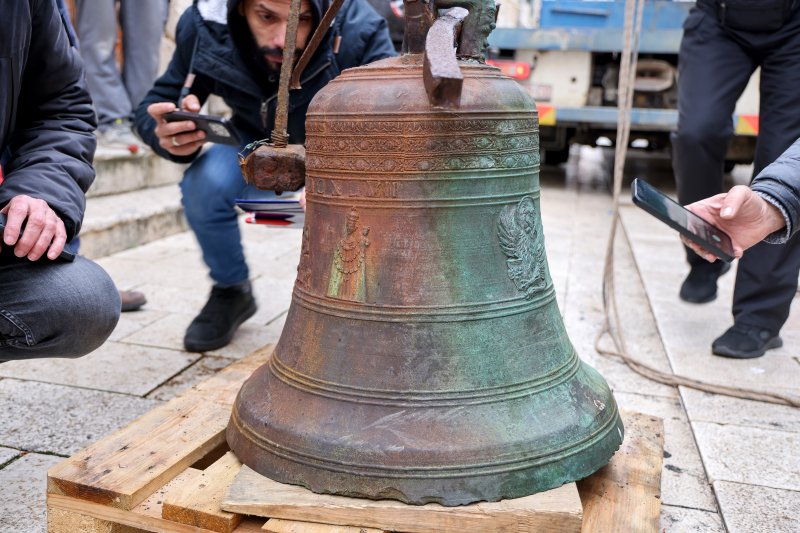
<point x="52" y="144"/>
<point x="365" y="36"/>
<point x="781" y="181"/>
<point x="167" y="88"/>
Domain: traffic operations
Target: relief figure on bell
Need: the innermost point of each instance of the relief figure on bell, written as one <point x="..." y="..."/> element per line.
<point x="304" y="267"/>
<point x="348" y="271"/>
<point x="522" y="242"/>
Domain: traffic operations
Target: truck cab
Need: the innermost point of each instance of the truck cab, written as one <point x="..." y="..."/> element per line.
<point x="566" y="54"/>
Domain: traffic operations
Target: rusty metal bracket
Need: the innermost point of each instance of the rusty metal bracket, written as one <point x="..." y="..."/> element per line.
<point x="279" y="166"/>
<point x="476" y="27"/>
<point x="313" y="44"/>
<point x="420" y="15"/>
<point x="280" y="137"/>
<point x="440" y="71"/>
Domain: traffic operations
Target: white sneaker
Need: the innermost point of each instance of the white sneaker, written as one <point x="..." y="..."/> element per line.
<point x="119" y="136"/>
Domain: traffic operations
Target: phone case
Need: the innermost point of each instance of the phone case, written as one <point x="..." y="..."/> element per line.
<point x="722" y="249"/>
<point x="217" y="129"/>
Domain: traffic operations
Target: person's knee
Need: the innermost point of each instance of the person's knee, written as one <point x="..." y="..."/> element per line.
<point x="210" y="184"/>
<point x="91" y="305"/>
<point x="68" y="310"/>
<point x="703" y="131"/>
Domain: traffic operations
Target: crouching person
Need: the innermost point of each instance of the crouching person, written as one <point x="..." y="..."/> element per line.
<point x="49" y="306"/>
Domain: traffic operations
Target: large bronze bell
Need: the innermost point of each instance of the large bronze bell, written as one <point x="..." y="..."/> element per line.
<point x="424" y="357"/>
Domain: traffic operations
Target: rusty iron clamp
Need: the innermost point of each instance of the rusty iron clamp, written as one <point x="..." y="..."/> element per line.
<point x="278" y="165"/>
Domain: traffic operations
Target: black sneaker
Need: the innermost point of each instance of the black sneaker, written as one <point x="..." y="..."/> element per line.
<point x="700" y="286"/>
<point x="745" y="342"/>
<point x="222" y="315"/>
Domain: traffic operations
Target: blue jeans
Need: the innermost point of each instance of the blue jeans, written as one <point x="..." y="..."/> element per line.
<point x="210" y="185"/>
<point x="54" y="309"/>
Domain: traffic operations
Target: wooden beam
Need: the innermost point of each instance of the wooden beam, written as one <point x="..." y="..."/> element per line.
<point x="554" y="511"/>
<point x="276" y="525"/>
<point x="124" y="468"/>
<point x="72" y="515"/>
<point x="197" y="501"/>
<point x="625" y="495"/>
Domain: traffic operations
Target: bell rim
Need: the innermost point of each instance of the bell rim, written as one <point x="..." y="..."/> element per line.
<point x="425" y="473"/>
<point x="465" y="489"/>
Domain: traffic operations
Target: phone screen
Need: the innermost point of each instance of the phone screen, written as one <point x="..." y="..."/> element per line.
<point x="678" y="217"/>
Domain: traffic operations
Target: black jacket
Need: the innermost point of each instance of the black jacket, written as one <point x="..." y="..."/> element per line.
<point x="221" y="70"/>
<point x="46" y="117"/>
<point x="779" y="182"/>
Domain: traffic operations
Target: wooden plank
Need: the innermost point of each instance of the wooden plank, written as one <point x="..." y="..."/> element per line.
<point x="250" y="525"/>
<point x="276" y="525"/>
<point x="144" y="517"/>
<point x="118" y="516"/>
<point x="197" y="501"/>
<point x="60" y="521"/>
<point x="124" y="468"/>
<point x="557" y="510"/>
<point x="162" y="443"/>
<point x="625" y="495"/>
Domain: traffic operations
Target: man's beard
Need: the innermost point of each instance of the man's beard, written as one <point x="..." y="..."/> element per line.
<point x="265" y="51"/>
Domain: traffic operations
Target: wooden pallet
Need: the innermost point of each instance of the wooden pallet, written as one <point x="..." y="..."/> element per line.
<point x="169" y="470"/>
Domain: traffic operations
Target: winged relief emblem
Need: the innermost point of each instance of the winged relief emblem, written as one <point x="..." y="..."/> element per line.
<point x="522" y="242"/>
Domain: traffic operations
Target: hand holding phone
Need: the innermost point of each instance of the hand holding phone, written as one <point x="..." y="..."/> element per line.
<point x="743" y="214"/>
<point x="688" y="224"/>
<point x="217" y="129"/>
<point x="182" y="131"/>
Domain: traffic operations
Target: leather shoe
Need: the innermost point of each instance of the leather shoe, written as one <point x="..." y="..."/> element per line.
<point x="131" y="300"/>
<point x="742" y="341"/>
<point x="222" y="315"/>
<point x="700" y="286"/>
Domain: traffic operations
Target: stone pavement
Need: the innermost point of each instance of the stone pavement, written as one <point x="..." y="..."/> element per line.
<point x="729" y="464"/>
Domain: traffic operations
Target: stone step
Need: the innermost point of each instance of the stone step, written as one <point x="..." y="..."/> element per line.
<point x="115" y="222"/>
<point x="120" y="171"/>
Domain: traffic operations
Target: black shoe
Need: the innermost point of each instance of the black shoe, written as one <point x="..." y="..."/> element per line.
<point x="222" y="315"/>
<point x="745" y="342"/>
<point x="700" y="286"/>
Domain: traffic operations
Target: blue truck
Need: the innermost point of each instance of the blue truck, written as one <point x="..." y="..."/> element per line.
<point x="567" y="55"/>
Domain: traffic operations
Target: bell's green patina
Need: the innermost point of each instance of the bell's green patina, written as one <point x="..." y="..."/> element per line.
<point x="424" y="357"/>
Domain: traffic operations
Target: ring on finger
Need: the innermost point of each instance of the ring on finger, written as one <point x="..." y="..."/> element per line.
<point x="174" y="141"/>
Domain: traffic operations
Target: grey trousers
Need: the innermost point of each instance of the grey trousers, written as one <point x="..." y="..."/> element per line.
<point x="54" y="309"/>
<point x="116" y="94"/>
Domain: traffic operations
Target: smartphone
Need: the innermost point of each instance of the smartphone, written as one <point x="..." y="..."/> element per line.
<point x="679" y="218"/>
<point x="65" y="254"/>
<point x="218" y="129"/>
